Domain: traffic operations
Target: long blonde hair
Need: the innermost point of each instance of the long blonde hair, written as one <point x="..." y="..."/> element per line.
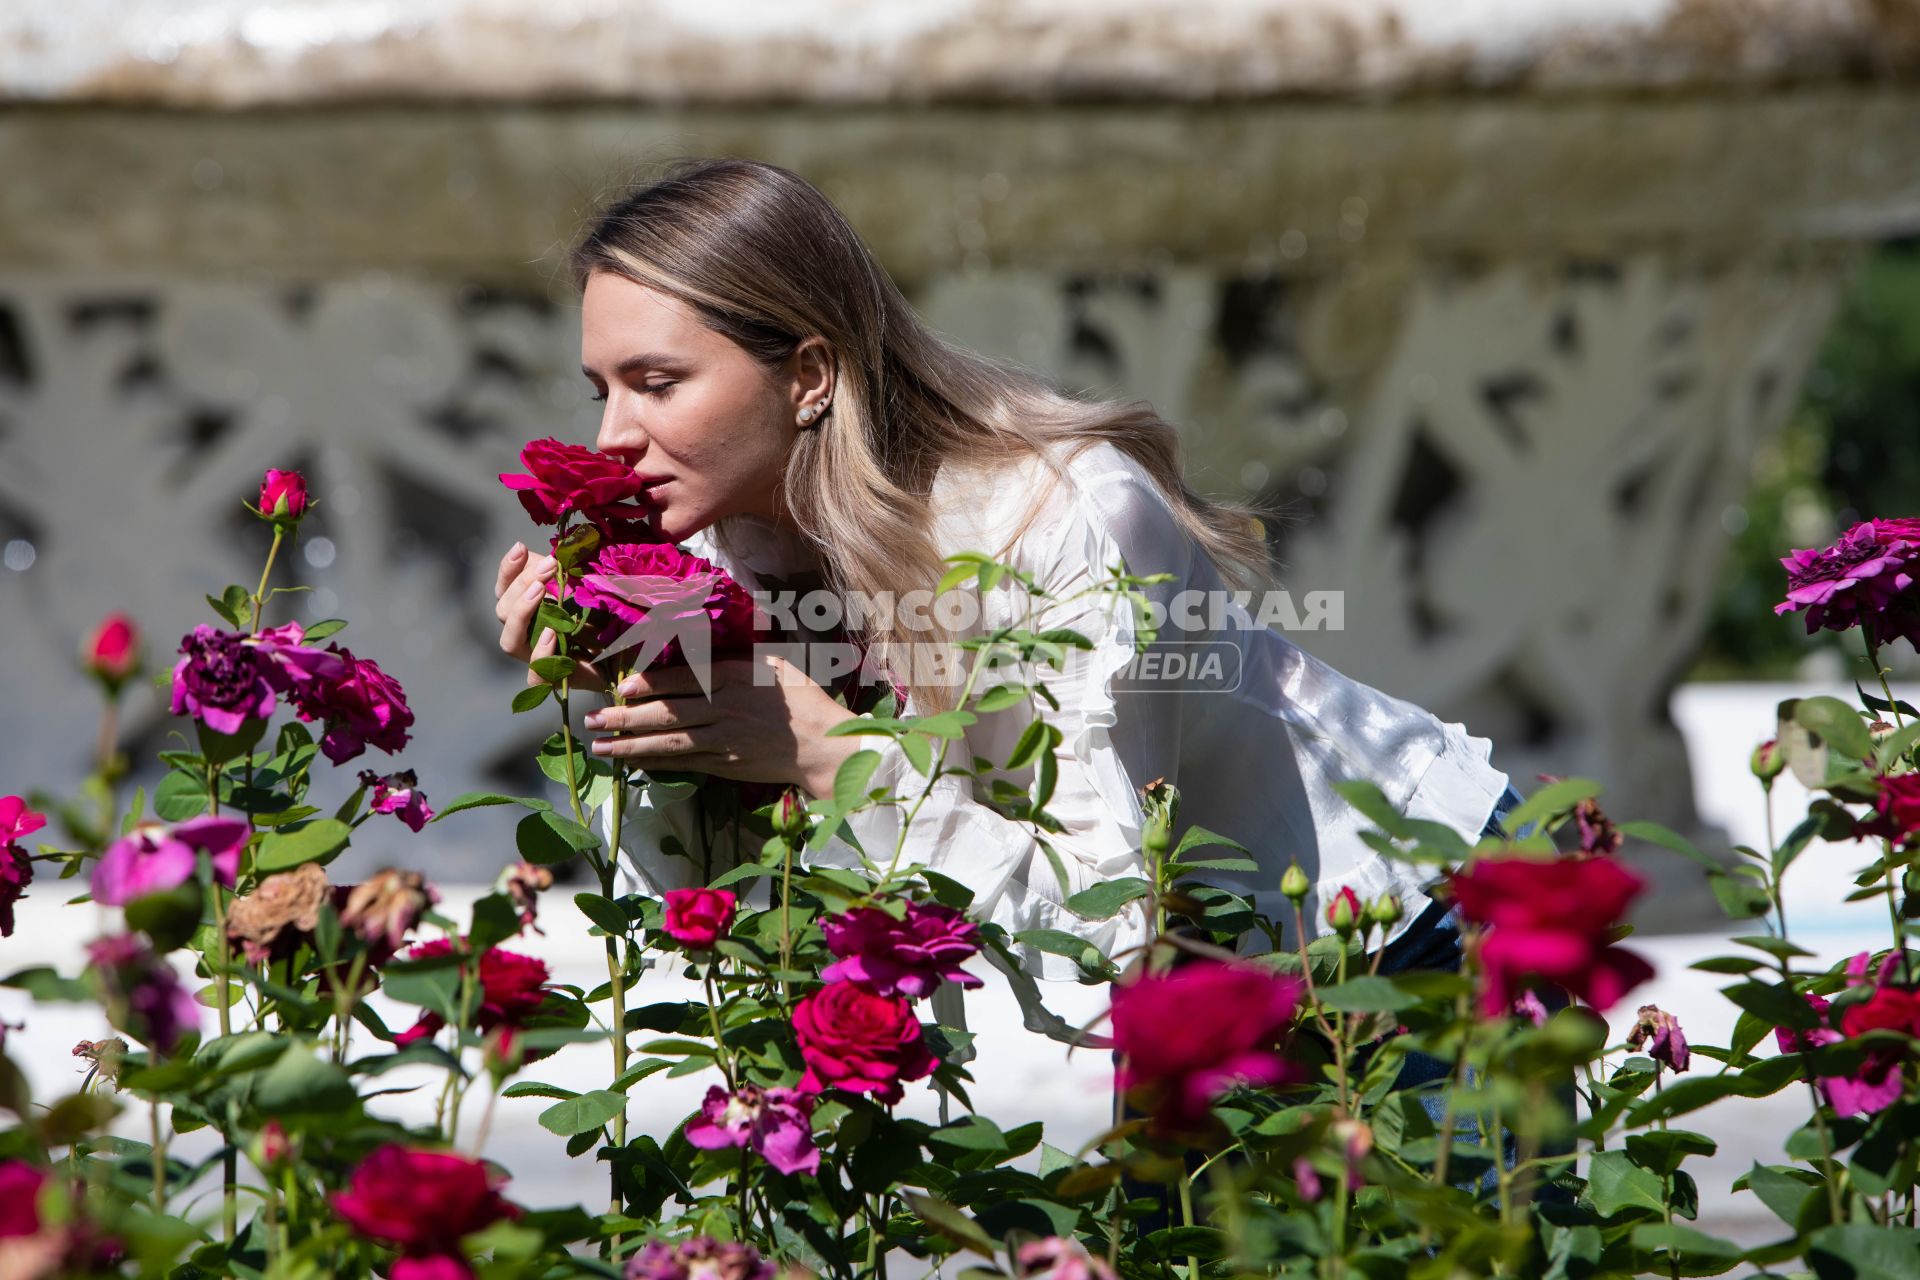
<point x="762" y="257"/>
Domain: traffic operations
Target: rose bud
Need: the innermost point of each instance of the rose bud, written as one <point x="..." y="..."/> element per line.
<point x="1294" y="883"/>
<point x="271" y="1148"/>
<point x="1385" y="910"/>
<point x="790" y="816"/>
<point x="283" y="496"/>
<point x="112" y="656"/>
<point x="1768" y="761"/>
<point x="503" y="1053"/>
<point x="1345" y="912"/>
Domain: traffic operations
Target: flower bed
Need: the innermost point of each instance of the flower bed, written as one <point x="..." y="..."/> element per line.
<point x="1285" y="1106"/>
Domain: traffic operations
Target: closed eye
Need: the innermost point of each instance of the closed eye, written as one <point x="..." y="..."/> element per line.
<point x="659" y="390"/>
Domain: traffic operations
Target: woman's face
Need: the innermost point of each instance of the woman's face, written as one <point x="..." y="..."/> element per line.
<point x="686" y="407"/>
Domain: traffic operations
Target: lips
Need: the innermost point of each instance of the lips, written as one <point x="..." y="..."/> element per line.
<point x="653" y="480"/>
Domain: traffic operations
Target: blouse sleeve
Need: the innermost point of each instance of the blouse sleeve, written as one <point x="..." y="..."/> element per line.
<point x="1115" y="740"/>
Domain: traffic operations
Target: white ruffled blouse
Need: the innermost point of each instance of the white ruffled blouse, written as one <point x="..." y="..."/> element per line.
<point x="1256" y="764"/>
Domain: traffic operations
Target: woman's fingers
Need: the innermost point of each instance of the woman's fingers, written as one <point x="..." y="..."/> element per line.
<point x="510" y="566"/>
<point x="517" y="605"/>
<point x="656" y="716"/>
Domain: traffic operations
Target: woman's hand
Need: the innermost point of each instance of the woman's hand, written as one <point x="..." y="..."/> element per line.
<point x="518" y="589"/>
<point x="765" y="721"/>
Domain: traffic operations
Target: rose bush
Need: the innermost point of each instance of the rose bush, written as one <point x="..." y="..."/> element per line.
<point x="1284" y="1104"/>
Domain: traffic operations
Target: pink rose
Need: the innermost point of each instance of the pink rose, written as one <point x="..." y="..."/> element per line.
<point x="154" y="857"/>
<point x="364" y="707"/>
<point x="1188" y="1035"/>
<point x="567" y="479"/>
<point x="776" y="1124"/>
<point x="283" y="495"/>
<point x="16" y="864"/>
<point x="907" y="957"/>
<point x="697" y="918"/>
<point x="855" y="1040"/>
<point x="664" y="590"/>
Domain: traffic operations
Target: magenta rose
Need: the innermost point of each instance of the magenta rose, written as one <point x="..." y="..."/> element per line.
<point x="855" y="1040"/>
<point x="283" y="495"/>
<point x="1869" y="577"/>
<point x="567" y="479"/>
<point x="668" y="590"/>
<point x="364" y="707"/>
<point x="776" y="1124"/>
<point x="907" y="957"/>
<point x="1550" y="922"/>
<point x="222" y="681"/>
<point x="112" y="655"/>
<point x="1896" y="809"/>
<point x="422" y="1203"/>
<point x="143" y="995"/>
<point x="1188" y="1035"/>
<point x="697" y="918"/>
<point x="1061" y="1258"/>
<point x="398" y="794"/>
<point x="155" y="857"/>
<point x="16" y="864"/>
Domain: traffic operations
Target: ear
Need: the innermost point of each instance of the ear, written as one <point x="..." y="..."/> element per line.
<point x="811" y="373"/>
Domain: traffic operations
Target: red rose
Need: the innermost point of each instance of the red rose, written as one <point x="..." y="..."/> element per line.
<point x="512" y="989"/>
<point x="697" y="917"/>
<point x="854" y="1040"/>
<point x="1896" y="809"/>
<point x="1550" y="922"/>
<point x="113" y="654"/>
<point x="283" y="495"/>
<point x="1192" y="1033"/>
<point x="421" y="1202"/>
<point x="1345" y="911"/>
<point x="565" y="479"/>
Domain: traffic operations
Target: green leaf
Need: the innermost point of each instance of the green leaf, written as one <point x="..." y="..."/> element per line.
<point x="546" y="837"/>
<point x="325" y="627"/>
<point x="942" y="724"/>
<point x="999" y="698"/>
<point x="1105" y="900"/>
<point x="481" y="799"/>
<point x="1615" y="1183"/>
<point x="1683" y="1096"/>
<point x="179" y="796"/>
<point x="554" y="667"/>
<point x="1667" y="838"/>
<point x="951" y="1222"/>
<point x="302" y="1083"/>
<point x="1739" y="896"/>
<point x="851" y="778"/>
<point x="1837" y="724"/>
<point x="1663" y="1150"/>
<point x="495" y="919"/>
<point x="1027" y="749"/>
<point x="317" y="841"/>
<point x="530" y="697"/>
<point x="1555" y="797"/>
<point x="602" y="912"/>
<point x="1685" y="1243"/>
<point x="1370" y="993"/>
<point x="1863" y="1252"/>
<point x="1778" y="1004"/>
<point x="974" y="1133"/>
<point x="235" y="604"/>
<point x="1781" y="1189"/>
<point x="582" y="1114"/>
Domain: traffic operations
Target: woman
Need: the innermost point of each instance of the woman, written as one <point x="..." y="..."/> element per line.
<point x="793" y="416"/>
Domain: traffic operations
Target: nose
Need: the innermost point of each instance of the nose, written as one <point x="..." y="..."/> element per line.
<point x="620" y="433"/>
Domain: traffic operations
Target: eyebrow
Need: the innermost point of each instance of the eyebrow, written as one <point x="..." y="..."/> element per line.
<point x="645" y="359"/>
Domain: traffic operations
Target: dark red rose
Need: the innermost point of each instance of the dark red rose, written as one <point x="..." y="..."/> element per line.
<point x="1188" y="1035"/>
<point x="512" y="989"/>
<point x="422" y="1202"/>
<point x="566" y="479"/>
<point x="855" y="1040"/>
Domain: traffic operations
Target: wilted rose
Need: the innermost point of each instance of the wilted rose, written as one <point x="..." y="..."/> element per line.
<point x="854" y="1040"/>
<point x="281" y="912"/>
<point x="384" y="908"/>
<point x="523" y="883"/>
<point x="698" y="918"/>
<point x="1658" y="1032"/>
<point x="398" y="794"/>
